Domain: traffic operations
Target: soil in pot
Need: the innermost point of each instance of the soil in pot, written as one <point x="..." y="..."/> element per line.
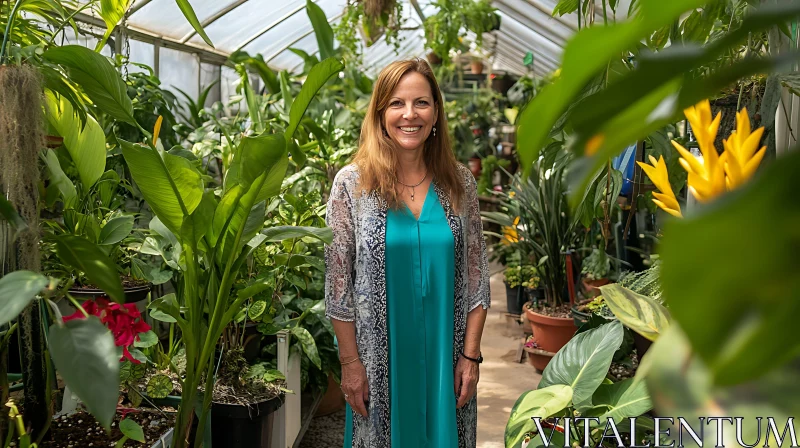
<point x="552" y="327"/>
<point x="82" y="430"/>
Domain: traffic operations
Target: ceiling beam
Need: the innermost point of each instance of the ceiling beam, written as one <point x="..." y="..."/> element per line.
<point x="209" y="55"/>
<point x="415" y="4"/>
<point x="218" y="15"/>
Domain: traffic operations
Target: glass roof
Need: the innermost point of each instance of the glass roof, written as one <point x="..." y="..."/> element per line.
<point x="271" y="27"/>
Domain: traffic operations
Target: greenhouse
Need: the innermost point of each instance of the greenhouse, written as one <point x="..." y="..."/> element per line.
<point x="407" y="223"/>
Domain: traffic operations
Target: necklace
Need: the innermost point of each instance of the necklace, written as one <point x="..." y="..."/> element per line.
<point x="415" y="185"/>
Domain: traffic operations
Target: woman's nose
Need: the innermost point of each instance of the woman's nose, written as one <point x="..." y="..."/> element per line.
<point x="410" y="114"/>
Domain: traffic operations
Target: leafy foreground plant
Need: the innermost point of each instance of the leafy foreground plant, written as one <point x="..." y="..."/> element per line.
<point x="216" y="234"/>
<point x="575" y="384"/>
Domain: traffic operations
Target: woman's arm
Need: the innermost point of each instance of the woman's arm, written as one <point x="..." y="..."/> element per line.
<point x="478" y="299"/>
<point x="339" y="291"/>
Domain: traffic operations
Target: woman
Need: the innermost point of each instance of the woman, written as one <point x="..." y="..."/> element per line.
<point x="406" y="282"/>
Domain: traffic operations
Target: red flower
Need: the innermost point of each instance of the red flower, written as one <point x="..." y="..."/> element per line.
<point x="124" y="321"/>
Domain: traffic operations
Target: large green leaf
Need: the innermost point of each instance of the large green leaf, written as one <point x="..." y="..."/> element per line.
<point x="280" y="233"/>
<point x="170" y="184"/>
<point x="86" y="145"/>
<point x="625" y="399"/>
<point x="542" y="403"/>
<point x="308" y="344"/>
<point x="112" y="12"/>
<point x="60" y="180"/>
<point x="322" y="29"/>
<point x="17" y="290"/>
<point x="637" y="312"/>
<point x="116" y="230"/>
<point x="585" y="55"/>
<point x="191" y="17"/>
<point x="584" y="361"/>
<point x="85" y="256"/>
<point x="85" y="355"/>
<point x="747" y="289"/>
<point x="98" y="78"/>
<point x="681" y="385"/>
<point x="317" y="78"/>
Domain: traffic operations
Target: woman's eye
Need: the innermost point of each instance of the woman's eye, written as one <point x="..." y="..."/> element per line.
<point x="422" y="103"/>
<point x="395" y="103"/>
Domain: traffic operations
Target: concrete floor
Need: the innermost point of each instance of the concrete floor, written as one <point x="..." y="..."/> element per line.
<point x="502" y="379"/>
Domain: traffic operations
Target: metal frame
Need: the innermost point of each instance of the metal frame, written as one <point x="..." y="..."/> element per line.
<point x="513" y="13"/>
<point x="508" y="40"/>
<point x="214" y="17"/>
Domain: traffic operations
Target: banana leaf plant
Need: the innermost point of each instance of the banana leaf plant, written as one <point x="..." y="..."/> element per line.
<point x="216" y="235"/>
<point x="574" y="383"/>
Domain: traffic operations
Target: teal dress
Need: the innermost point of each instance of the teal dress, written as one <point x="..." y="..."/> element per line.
<point x="420" y="273"/>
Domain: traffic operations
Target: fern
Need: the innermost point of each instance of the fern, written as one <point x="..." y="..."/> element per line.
<point x="646" y="282"/>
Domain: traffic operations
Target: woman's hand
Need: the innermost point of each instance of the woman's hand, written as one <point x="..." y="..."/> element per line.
<point x="466" y="380"/>
<point x="355" y="387"/>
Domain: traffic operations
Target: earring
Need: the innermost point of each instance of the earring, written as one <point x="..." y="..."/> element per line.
<point x="434" y="131"/>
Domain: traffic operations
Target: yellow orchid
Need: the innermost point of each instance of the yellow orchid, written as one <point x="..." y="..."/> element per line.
<point x="742" y="158"/>
<point x="510" y="233"/>
<point x="657" y="172"/>
<point x="707" y="177"/>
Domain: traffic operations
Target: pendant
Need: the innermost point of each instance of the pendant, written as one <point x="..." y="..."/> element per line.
<point x="412" y="196"/>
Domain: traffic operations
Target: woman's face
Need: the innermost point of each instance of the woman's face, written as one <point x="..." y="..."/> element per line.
<point x="411" y="113"/>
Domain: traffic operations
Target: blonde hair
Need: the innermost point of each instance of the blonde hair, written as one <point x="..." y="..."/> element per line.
<point x="377" y="159"/>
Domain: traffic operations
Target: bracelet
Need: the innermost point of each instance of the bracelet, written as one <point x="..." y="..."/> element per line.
<point x="478" y="360"/>
<point x="348" y="362"/>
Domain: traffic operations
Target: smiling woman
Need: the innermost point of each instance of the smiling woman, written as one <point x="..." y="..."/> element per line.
<point x="396" y="260"/>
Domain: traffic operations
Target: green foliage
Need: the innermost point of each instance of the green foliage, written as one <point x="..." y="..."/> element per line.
<point x="17" y="290"/>
<point x="574" y="383"/>
<point x="637" y="312"/>
<point x="445" y="30"/>
<point x="84" y="353"/>
<point x="597" y="265"/>
<point x="526" y="276"/>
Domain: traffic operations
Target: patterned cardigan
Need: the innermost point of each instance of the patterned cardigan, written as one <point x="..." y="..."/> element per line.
<point x="355" y="290"/>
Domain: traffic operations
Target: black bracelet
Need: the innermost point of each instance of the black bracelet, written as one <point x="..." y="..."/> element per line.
<point x="478" y="360"/>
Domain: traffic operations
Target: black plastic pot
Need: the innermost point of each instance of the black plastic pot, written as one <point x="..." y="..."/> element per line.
<point x="132" y="295"/>
<point x="580" y="317"/>
<point x="514" y="299"/>
<point x="245" y="426"/>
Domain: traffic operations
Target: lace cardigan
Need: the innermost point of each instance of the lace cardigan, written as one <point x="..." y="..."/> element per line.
<point x="355" y="290"/>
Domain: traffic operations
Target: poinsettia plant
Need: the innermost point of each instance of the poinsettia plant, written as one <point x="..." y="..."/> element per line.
<point x="124" y="320"/>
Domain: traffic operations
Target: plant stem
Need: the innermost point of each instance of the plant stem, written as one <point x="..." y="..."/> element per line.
<point x="10" y="23"/>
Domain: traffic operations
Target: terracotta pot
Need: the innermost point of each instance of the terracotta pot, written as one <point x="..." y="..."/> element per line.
<point x="434" y="58"/>
<point x="476" y="67"/>
<point x="551" y="333"/>
<point x="592" y="287"/>
<point x="539" y="359"/>
<point x="333" y="400"/>
<point x="475" y="165"/>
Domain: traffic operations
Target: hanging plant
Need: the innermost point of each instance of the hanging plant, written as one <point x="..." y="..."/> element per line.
<point x="445" y="30"/>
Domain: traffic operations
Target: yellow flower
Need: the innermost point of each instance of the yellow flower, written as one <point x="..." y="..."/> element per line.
<point x="707" y="177"/>
<point x="157" y="129"/>
<point x="511" y="194"/>
<point x="510" y="233"/>
<point x="660" y="178"/>
<point x="742" y="158"/>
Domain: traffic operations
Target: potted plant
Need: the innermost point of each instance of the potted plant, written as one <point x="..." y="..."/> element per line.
<point x="546" y="229"/>
<point x="595" y="271"/>
<point x="476" y="65"/>
<point x="512" y="278"/>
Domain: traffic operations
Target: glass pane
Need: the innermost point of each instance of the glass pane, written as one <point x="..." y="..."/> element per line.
<point x="210" y="73"/>
<point x="142" y="53"/>
<point x="293" y="28"/>
<point x="246" y="21"/>
<point x="178" y="69"/>
<point x="165" y="18"/>
<point x="229" y="79"/>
